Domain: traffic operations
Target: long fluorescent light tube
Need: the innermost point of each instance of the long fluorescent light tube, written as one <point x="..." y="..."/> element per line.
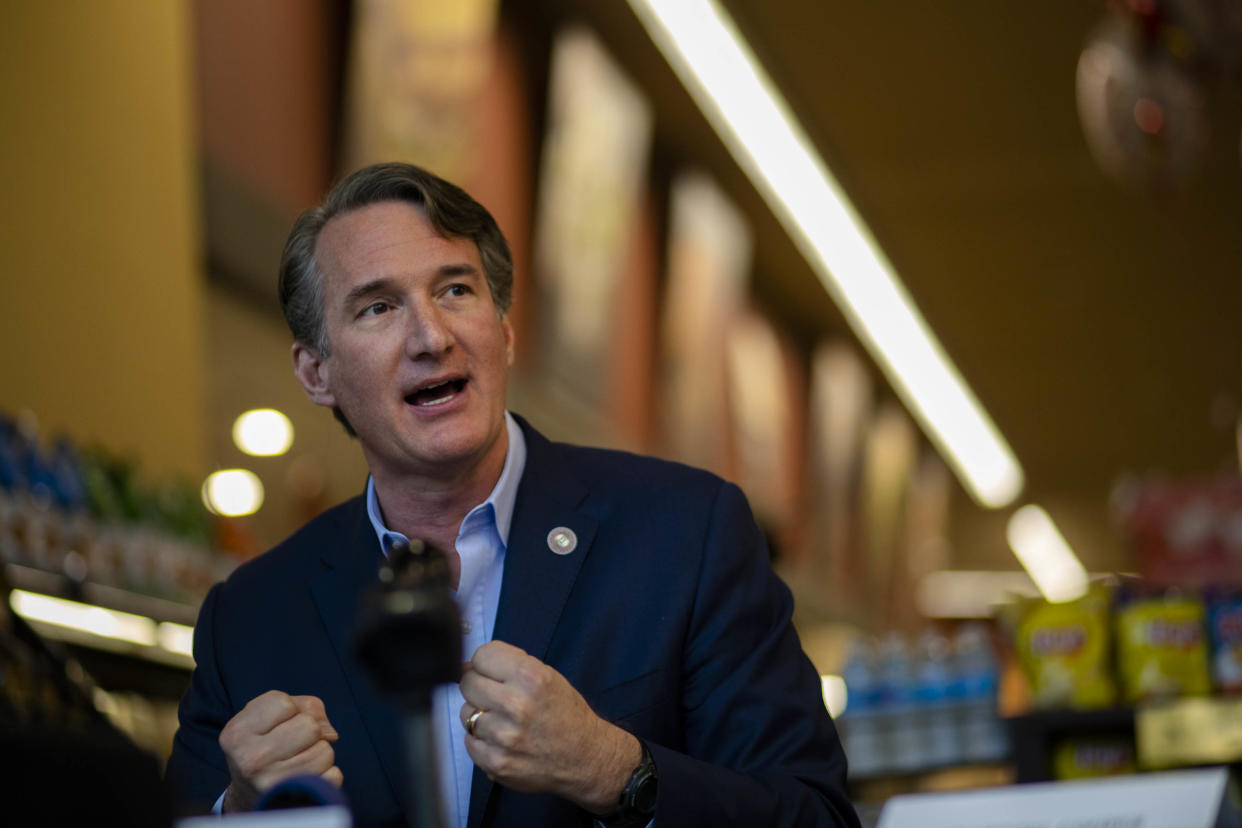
<point x="176" y="638"/>
<point x="1046" y="555"/>
<point x="717" y="67"/>
<point x="107" y="623"/>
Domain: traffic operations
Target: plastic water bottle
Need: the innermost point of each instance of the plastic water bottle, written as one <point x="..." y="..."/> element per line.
<point x="860" y="722"/>
<point x="937" y="699"/>
<point x="905" y="742"/>
<point x="983" y="734"/>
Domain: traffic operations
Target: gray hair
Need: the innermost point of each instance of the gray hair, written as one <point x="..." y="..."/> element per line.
<point x="451" y="211"/>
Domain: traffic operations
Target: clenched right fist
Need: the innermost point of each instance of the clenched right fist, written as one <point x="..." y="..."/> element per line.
<point x="274" y="737"/>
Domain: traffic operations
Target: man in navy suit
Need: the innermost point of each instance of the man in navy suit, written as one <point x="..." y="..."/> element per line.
<point x="631" y="657"/>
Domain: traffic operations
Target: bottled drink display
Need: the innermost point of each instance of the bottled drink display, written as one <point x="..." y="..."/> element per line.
<point x="86" y="515"/>
<point x="920" y="704"/>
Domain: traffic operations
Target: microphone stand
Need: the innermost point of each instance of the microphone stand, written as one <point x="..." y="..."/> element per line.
<point x="409" y="639"/>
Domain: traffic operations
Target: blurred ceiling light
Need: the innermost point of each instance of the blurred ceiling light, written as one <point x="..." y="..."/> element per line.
<point x="717" y="67"/>
<point x="107" y="623"/>
<point x="176" y="638"/>
<point x="233" y="492"/>
<point x="835" y="696"/>
<point x="1042" y="550"/>
<point x="263" y="432"/>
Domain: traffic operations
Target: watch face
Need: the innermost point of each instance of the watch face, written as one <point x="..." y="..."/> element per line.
<point x="645" y="795"/>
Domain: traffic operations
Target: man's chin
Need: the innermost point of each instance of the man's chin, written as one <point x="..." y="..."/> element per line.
<point x="445" y="449"/>
<point x="453" y="455"/>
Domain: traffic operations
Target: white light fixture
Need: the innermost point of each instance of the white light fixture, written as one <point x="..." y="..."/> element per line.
<point x="100" y="621"/>
<point x="1042" y="550"/>
<point x="105" y="628"/>
<point x="233" y="492"/>
<point x="835" y="695"/>
<point x="717" y="67"/>
<point x="263" y="432"/>
<point x="176" y="638"/>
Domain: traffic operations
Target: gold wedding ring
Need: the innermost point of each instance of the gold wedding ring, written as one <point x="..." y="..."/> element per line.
<point x="472" y="721"/>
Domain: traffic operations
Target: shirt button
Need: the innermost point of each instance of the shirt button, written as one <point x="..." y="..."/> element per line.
<point x="465" y="627"/>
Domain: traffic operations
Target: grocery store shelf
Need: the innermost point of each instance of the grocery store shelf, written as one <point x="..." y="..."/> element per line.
<point x="1182" y="732"/>
<point x="51" y="583"/>
<point x="1034" y="736"/>
<point x="102" y="618"/>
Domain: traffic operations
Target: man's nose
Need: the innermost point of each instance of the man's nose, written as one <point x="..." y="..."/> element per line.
<point x="429" y="332"/>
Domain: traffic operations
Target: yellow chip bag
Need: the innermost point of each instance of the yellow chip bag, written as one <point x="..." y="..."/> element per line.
<point x="1063" y="649"/>
<point x="1161" y="647"/>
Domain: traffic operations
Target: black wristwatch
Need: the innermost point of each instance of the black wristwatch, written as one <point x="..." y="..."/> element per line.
<point x="638" y="797"/>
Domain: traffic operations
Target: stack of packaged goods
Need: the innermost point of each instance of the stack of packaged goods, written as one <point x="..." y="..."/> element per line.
<point x="921" y="704"/>
<point x="85" y="515"/>
<point x="1172" y="632"/>
<point x="1130" y="643"/>
<point x="1064" y="651"/>
<point x="1126" y="642"/>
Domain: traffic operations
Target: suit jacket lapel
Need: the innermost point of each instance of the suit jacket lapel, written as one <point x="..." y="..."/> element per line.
<point x="537" y="581"/>
<point x="349" y="560"/>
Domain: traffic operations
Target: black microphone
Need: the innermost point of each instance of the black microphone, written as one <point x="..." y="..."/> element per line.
<point x="409" y="629"/>
<point x="408" y="637"/>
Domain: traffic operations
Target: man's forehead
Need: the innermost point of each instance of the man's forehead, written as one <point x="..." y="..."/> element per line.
<point x="376" y="235"/>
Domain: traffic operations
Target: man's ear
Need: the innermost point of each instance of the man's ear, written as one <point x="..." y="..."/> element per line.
<point x="312" y="371"/>
<point x="506" y="328"/>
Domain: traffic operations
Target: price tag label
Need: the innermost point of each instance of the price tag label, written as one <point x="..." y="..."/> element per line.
<point x="1198" y="731"/>
<point x="1178" y="799"/>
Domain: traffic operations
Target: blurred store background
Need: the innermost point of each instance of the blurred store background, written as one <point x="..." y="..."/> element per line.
<point x="953" y="291"/>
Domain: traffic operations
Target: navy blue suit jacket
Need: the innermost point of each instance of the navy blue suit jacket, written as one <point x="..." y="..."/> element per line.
<point x="667" y="618"/>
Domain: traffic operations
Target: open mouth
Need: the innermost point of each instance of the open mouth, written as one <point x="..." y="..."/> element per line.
<point x="441" y="392"/>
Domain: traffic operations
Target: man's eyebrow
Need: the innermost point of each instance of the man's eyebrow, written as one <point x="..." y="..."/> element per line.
<point x="388" y="283"/>
<point x="367" y="288"/>
<point x="463" y="269"/>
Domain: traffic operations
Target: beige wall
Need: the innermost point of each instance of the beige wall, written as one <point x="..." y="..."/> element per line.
<point x="101" y="295"/>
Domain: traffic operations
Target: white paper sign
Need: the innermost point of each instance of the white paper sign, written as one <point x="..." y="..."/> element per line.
<point x="1179" y="799"/>
<point x="322" y="817"/>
